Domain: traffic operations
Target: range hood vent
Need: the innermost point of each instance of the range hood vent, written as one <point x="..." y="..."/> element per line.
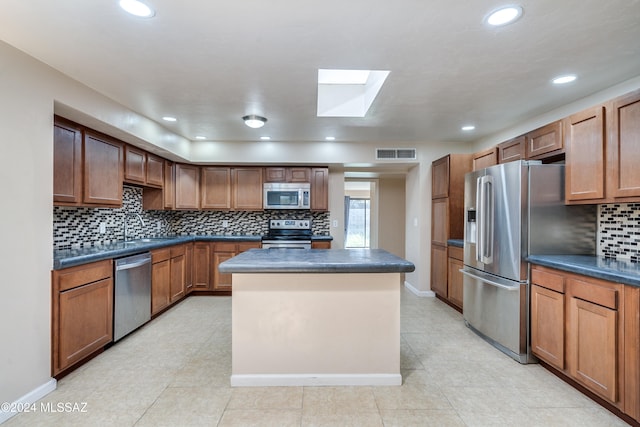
<point x="395" y="153"/>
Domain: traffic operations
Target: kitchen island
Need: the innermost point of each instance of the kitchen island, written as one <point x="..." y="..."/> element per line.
<point x="316" y="317"/>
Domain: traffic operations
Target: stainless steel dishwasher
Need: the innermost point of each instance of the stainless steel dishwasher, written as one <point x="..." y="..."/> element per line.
<point x="132" y="299"/>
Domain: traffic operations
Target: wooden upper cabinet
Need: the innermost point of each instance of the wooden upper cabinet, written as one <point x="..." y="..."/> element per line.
<point x="135" y="165"/>
<point x="247" y="188"/>
<point x="67" y="163"/>
<point x="486" y="158"/>
<point x="169" y="187"/>
<point x="512" y="150"/>
<point x="585" y="154"/>
<point x="215" y="187"/>
<point x="544" y="141"/>
<point x="623" y="152"/>
<point x="187" y="186"/>
<point x="440" y="178"/>
<point x="155" y="171"/>
<point x="103" y="170"/>
<point x="287" y="174"/>
<point x="319" y="189"/>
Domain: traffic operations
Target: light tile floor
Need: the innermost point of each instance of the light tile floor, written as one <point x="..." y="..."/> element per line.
<point x="175" y="372"/>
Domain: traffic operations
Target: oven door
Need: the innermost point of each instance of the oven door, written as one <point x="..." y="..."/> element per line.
<point x="286" y="244"/>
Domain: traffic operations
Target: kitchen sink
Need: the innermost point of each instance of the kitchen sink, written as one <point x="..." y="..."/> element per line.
<point x="148" y="240"/>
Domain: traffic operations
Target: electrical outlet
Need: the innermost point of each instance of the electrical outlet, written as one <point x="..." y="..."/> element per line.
<point x="225" y="223"/>
<point x="335" y="223"/>
<point x="102" y="228"/>
<point x="158" y="226"/>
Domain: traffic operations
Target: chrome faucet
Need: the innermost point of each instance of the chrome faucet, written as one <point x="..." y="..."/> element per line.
<point x="125" y="223"/>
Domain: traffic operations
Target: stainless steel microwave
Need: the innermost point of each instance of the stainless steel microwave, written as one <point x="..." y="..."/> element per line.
<point x="287" y="195"/>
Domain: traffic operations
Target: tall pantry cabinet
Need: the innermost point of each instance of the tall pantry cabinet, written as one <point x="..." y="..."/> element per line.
<point x="447" y="214"/>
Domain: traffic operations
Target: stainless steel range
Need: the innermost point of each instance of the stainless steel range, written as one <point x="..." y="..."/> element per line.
<point x="288" y="233"/>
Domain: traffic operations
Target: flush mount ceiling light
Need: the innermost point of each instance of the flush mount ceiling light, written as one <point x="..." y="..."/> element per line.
<point x="169" y="119"/>
<point x="254" y="121"/>
<point x="330" y="138"/>
<point x="200" y="137"/>
<point x="265" y="138"/>
<point x="561" y="80"/>
<point x="468" y="128"/>
<point x="503" y="16"/>
<point x="137" y="8"/>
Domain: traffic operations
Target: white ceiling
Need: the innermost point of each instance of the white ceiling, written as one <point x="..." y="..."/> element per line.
<point x="210" y="62"/>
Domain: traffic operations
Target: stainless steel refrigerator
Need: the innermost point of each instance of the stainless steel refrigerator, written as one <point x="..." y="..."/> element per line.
<point x="513" y="210"/>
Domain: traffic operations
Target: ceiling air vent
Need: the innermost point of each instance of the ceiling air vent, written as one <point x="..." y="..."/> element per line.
<point x="395" y="153"/>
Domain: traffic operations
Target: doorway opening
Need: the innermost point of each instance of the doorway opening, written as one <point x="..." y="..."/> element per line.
<point x="357" y="214"/>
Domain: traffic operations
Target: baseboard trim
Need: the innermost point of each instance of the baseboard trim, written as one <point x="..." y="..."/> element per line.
<point x="425" y="294"/>
<point x="32" y="397"/>
<point x="316" y="380"/>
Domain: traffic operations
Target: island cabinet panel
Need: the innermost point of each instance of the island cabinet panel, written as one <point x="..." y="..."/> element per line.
<point x="623" y="173"/>
<point x="135" y="165"/>
<point x="103" y="170"/>
<point x="585" y="154"/>
<point x="202" y="276"/>
<point x="67" y="163"/>
<point x="82" y="313"/>
<point x="215" y="188"/>
<point x="319" y="189"/>
<point x="187" y="187"/>
<point x="247" y="188"/>
<point x="547" y="325"/>
<point x="544" y="141"/>
<point x="486" y="158"/>
<point x="512" y="150"/>
<point x="454" y="276"/>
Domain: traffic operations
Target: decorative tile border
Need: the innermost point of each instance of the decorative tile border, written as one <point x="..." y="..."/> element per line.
<point x="79" y="227"/>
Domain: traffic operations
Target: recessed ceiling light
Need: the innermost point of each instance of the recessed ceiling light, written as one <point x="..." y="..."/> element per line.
<point x="468" y="128"/>
<point x="254" y="121"/>
<point x="265" y="138"/>
<point x="564" y="79"/>
<point x="169" y="119"/>
<point x="201" y="137"/>
<point x="503" y="16"/>
<point x="137" y="8"/>
<point x="330" y="138"/>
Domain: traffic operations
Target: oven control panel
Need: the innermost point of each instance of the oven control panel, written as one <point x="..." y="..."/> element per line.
<point x="290" y="224"/>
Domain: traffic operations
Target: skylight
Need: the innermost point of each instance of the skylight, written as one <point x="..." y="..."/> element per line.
<point x="348" y="93"/>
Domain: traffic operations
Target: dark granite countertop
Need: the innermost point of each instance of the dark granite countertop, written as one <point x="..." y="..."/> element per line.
<point x="72" y="257"/>
<point x="624" y="272"/>
<point x="458" y="243"/>
<point x="316" y="261"/>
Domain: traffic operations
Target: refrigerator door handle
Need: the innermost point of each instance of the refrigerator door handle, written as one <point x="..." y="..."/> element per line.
<point x="489" y="281"/>
<point x="479" y="219"/>
<point x="488" y="206"/>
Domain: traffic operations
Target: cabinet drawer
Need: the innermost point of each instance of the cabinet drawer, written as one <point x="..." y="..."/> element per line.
<point x="177" y="250"/>
<point x="456" y="253"/>
<point x="159" y="255"/>
<point x="604" y="296"/>
<point x="245" y="246"/>
<point x="225" y="247"/>
<point x="70" y="278"/>
<point x="548" y="280"/>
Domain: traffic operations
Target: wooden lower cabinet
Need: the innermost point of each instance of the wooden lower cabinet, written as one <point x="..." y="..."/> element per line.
<point x="168" y="276"/>
<point x="160" y="280"/>
<point x="323" y="244"/>
<point x="579" y="326"/>
<point x="221" y="281"/>
<point x="439" y="269"/>
<point x="454" y="276"/>
<point x="202" y="266"/>
<point x="547" y="325"/>
<point x="82" y="313"/>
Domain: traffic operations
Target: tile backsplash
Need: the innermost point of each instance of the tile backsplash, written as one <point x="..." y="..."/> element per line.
<point x="619" y="231"/>
<point x="80" y="227"/>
